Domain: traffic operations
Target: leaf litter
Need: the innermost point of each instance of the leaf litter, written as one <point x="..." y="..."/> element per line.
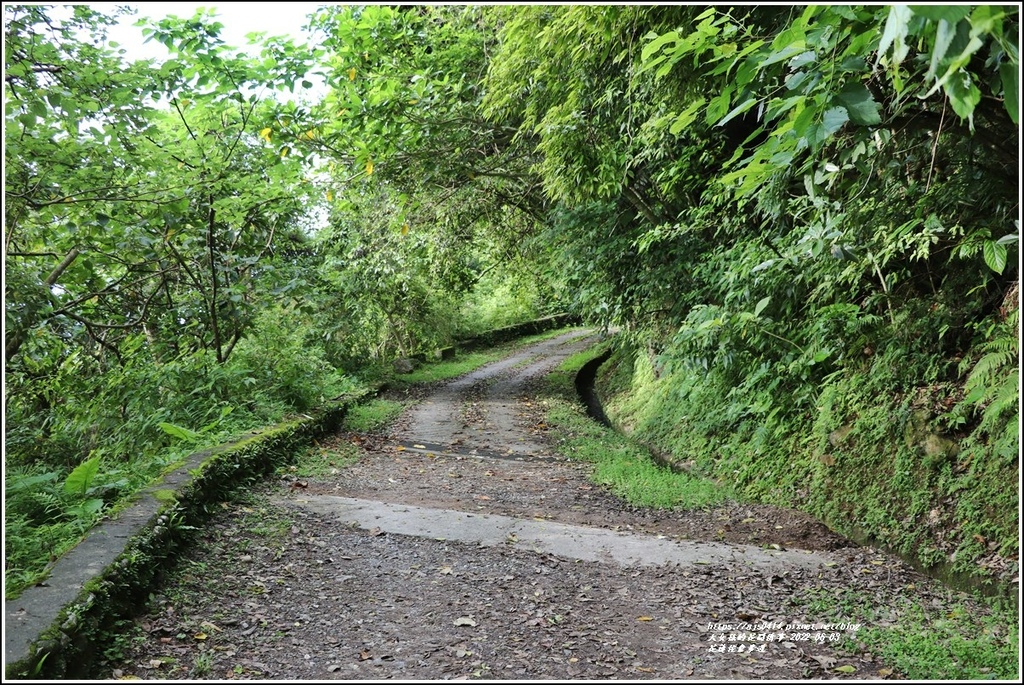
<point x="325" y="600"/>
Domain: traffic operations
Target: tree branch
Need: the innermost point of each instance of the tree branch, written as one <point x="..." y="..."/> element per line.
<point x="18" y="339"/>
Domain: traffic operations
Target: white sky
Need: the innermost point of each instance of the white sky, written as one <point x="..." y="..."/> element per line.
<point x="239" y="19"/>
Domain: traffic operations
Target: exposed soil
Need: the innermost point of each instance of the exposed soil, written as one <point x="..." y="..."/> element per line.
<point x="273" y="590"/>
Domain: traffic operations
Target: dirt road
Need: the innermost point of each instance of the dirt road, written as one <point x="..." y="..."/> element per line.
<point x="461" y="545"/>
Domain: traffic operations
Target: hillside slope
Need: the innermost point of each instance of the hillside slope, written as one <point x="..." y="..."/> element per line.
<point x="927" y="472"/>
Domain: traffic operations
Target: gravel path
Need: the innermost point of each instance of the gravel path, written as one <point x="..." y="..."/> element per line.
<point x="369" y="574"/>
<point x="479" y="413"/>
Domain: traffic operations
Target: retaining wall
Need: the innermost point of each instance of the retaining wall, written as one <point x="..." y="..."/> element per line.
<point x="51" y="629"/>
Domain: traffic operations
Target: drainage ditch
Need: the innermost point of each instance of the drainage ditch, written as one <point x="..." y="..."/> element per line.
<point x="943" y="572"/>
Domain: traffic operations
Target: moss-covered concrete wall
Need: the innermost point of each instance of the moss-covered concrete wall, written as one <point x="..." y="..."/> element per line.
<point x="51" y="628"/>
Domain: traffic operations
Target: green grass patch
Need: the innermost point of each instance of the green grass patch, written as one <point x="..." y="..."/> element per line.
<point x="965" y="639"/>
<point x="960" y="645"/>
<point x="451" y="368"/>
<point x="625" y="467"/>
<point x="632" y="475"/>
<point x="318" y="461"/>
<point x="372" y="415"/>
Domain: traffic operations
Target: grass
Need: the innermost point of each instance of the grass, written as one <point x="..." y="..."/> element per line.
<point x="322" y="460"/>
<point x="372" y="415"/>
<point x="976" y="639"/>
<point x="201" y="664"/>
<point x="37" y="512"/>
<point x="860" y="457"/>
<point x="43" y="520"/>
<point x="625" y="467"/>
<point x="452" y="368"/>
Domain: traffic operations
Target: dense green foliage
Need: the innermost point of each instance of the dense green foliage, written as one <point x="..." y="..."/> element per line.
<point x="959" y="638"/>
<point x="177" y="269"/>
<point x="842" y="269"/>
<point x="806" y="222"/>
<point x="803" y="219"/>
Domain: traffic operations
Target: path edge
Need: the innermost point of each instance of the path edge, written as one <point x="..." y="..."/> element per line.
<point x="52" y="628"/>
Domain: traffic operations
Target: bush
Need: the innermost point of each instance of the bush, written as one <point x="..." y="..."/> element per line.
<point x="282" y="364"/>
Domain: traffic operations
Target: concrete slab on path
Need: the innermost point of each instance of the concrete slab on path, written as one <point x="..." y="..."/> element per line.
<point x="570" y="541"/>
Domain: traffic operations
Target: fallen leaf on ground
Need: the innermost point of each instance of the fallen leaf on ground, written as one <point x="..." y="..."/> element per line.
<point x="464" y="621"/>
<point x="825" y="661"/>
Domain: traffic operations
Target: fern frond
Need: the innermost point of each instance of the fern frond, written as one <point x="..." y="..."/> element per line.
<point x="990" y="365"/>
<point x="1005" y="397"/>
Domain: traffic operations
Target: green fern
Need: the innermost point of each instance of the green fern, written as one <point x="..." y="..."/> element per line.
<point x="1006" y="397"/>
<point x="993" y="386"/>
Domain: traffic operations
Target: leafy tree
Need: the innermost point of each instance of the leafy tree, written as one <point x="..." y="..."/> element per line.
<point x="427" y="196"/>
<point x="787" y="210"/>
<point x="144" y="210"/>
<point x="156" y="220"/>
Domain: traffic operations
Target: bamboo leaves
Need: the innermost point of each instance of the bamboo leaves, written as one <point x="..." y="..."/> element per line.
<point x="894" y="35"/>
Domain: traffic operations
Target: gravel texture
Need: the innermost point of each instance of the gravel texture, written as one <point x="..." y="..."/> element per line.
<point x="273" y="590"/>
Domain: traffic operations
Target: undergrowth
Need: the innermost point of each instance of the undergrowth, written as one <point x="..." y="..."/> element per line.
<point x="625" y="467"/>
<point x="332" y="455"/>
<point x="870" y="457"/>
<point x="968" y="639"/>
<point x="898" y="447"/>
<point x="372" y="415"/>
<point x="51" y="503"/>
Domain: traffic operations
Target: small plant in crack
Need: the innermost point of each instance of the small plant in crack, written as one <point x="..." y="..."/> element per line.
<point x="202" y="664"/>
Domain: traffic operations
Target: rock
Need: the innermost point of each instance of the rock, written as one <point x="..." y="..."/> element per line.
<point x="405" y="365"/>
<point x="937" y="447"/>
<point x="916" y="428"/>
<point x="838" y="436"/>
<point x="934" y="447"/>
